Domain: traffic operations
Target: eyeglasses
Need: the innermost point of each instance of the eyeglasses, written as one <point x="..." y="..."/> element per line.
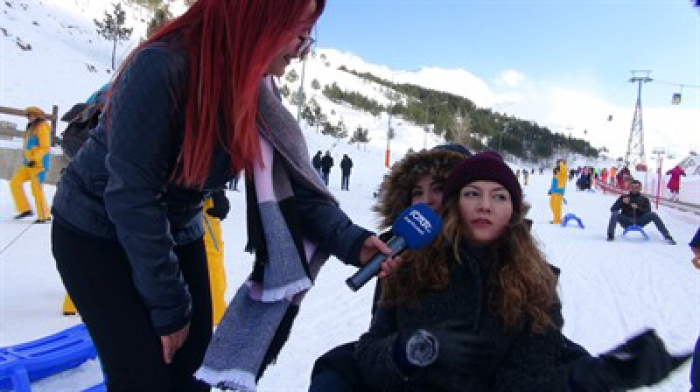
<point x="305" y="42"/>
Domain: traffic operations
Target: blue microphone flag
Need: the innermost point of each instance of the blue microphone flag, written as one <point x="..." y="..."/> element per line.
<point x="418" y="225"/>
<point x="415" y="228"/>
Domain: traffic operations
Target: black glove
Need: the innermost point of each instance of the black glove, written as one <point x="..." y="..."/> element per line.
<point x="641" y="361"/>
<point x="450" y="346"/>
<point x="31" y="163"/>
<point x="221" y="205"/>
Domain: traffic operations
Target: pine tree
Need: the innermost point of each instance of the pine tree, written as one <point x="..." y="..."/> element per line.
<point x="360" y="136"/>
<point x="151" y="4"/>
<point x="298" y="98"/>
<point x="284" y="91"/>
<point x="112" y="28"/>
<point x="315" y="84"/>
<point x="292" y="76"/>
<point x="312" y="113"/>
<point x="160" y="16"/>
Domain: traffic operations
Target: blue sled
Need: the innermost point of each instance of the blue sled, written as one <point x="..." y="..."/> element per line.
<point x="569" y="217"/>
<point x="635" y="228"/>
<point x="44" y="357"/>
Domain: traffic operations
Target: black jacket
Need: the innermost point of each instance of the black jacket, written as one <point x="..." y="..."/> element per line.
<point x="641" y="201"/>
<point x="346" y="165"/>
<point x="316" y="161"/>
<point x="523" y="361"/>
<point x="326" y="163"/>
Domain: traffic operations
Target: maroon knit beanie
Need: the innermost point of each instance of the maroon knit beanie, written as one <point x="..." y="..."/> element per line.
<point x="484" y="166"/>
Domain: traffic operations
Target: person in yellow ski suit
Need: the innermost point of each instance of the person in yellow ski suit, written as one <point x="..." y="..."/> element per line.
<point x="216" y="207"/>
<point x="556" y="192"/>
<point x="37" y="145"/>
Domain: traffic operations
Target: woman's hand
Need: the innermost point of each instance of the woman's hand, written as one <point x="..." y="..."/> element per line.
<point x="373" y="245"/>
<point x="390" y="265"/>
<point x="171" y="343"/>
<point x="641" y="361"/>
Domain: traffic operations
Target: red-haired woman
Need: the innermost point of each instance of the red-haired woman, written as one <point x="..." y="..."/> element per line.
<point x="185" y="114"/>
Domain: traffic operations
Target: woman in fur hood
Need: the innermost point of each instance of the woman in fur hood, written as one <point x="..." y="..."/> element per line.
<point x="417" y="178"/>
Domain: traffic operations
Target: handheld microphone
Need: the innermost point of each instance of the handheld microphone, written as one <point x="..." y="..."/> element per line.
<point x="415" y="228"/>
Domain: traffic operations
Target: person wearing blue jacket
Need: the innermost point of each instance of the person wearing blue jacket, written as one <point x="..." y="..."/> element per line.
<point x="35" y="165"/>
<point x="556" y="191"/>
<point x="183" y="117"/>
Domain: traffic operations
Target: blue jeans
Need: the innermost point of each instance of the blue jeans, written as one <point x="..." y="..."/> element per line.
<point x="642" y="221"/>
<point x="233" y="184"/>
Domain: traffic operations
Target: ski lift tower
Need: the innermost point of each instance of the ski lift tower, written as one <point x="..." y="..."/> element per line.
<point x="635" y="145"/>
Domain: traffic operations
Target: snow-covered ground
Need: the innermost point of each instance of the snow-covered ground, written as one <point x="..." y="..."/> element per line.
<point x="610" y="290"/>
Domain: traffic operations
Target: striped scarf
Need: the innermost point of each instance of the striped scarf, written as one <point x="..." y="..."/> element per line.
<point x="259" y="318"/>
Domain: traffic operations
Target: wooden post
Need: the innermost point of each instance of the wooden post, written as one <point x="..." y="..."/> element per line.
<point x="658" y="186"/>
<point x="54" y="121"/>
<point x="53" y="117"/>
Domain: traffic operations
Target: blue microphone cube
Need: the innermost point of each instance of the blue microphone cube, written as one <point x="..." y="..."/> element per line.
<point x="418" y="225"/>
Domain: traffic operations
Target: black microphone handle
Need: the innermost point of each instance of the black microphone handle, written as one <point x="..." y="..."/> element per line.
<point x="374" y="265"/>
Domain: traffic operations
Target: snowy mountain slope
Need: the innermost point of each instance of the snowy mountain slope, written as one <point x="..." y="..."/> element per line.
<point x="66" y="31"/>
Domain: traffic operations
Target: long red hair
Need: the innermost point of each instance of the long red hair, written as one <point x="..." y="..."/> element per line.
<point x="230" y="44"/>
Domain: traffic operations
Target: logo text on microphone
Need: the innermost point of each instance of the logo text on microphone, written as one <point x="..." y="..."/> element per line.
<point x="419" y="222"/>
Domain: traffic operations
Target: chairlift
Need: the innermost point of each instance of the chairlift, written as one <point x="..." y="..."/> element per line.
<point x="677" y="97"/>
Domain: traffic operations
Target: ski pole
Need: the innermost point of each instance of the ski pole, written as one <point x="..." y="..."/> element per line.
<point x="16" y="238"/>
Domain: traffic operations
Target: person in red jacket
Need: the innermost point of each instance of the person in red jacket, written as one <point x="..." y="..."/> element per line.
<point x="604" y="175"/>
<point x="674" y="183"/>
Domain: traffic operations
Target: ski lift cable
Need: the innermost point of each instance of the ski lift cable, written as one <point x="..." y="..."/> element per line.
<point x="681" y="85"/>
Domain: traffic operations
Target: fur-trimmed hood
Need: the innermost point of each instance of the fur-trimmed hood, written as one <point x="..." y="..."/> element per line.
<point x="395" y="190"/>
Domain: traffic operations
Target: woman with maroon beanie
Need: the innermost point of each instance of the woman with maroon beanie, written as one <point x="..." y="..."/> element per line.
<point x="478" y="309"/>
